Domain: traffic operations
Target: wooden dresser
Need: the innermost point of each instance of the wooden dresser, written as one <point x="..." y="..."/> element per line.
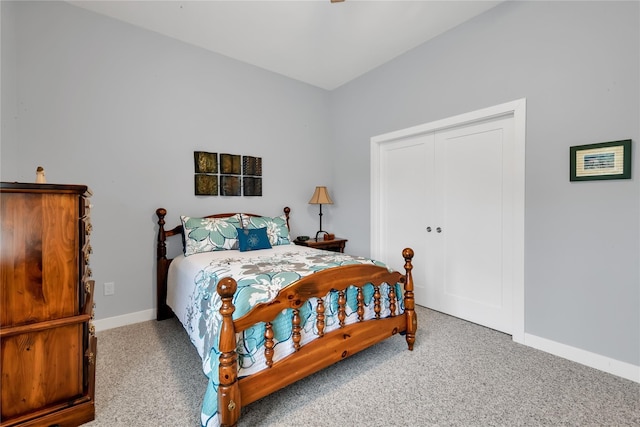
<point x="47" y="339"/>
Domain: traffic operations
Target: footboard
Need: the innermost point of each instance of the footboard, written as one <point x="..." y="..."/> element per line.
<point x="324" y="351"/>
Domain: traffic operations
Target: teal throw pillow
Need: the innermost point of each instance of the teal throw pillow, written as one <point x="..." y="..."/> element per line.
<point x="253" y="239"/>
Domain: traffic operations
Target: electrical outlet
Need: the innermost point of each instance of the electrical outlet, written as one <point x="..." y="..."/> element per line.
<point x="109" y="288"/>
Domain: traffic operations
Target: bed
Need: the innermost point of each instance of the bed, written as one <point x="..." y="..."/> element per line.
<point x="264" y="313"/>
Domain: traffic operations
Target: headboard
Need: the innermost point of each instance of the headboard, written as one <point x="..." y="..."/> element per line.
<point x="164" y="311"/>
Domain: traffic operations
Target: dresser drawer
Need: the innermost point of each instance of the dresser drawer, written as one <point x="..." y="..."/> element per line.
<point x="33" y="375"/>
<point x="40" y="255"/>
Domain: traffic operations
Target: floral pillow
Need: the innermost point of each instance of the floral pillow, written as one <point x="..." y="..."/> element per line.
<point x="210" y="234"/>
<point x="277" y="229"/>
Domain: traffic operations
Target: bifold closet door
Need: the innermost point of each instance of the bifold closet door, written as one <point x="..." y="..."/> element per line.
<point x="447" y="194"/>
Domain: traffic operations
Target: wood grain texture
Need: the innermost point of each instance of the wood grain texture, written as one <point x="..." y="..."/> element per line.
<point x="47" y="342"/>
<point x="39" y="257"/>
<point x="69" y="414"/>
<point x="317" y="285"/>
<point x="49" y="369"/>
<point x="317" y="355"/>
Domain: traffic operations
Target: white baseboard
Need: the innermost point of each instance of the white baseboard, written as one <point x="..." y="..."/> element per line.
<point x="124" y="320"/>
<point x="593" y="360"/>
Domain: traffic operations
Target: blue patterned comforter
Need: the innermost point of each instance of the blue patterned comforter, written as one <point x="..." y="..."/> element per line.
<point x="260" y="276"/>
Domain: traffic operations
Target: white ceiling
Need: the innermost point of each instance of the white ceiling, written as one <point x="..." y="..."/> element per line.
<point x="315" y="41"/>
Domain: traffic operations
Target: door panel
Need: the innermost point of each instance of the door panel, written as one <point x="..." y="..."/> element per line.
<point x="470" y="210"/>
<point x="403" y="205"/>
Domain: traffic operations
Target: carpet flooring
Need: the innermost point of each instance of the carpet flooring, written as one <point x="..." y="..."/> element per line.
<point x="459" y="374"/>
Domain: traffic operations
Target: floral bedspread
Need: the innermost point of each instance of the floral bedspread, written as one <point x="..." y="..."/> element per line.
<point x="260" y="276"/>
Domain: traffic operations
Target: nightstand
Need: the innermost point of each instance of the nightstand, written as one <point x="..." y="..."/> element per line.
<point x="335" y="245"/>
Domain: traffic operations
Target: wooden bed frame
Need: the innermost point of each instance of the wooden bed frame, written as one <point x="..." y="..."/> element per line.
<point x="327" y="349"/>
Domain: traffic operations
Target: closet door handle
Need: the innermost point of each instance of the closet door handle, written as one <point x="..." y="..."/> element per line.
<point x="439" y="230"/>
<point x="428" y="229"/>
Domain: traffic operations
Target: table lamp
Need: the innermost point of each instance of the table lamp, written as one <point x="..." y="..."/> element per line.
<point x="320" y="197"/>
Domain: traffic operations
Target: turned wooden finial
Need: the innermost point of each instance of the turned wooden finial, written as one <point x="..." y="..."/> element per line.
<point x="227" y="287"/>
<point x="409" y="301"/>
<point x="162" y="246"/>
<point x="287" y="211"/>
<point x="407" y="254"/>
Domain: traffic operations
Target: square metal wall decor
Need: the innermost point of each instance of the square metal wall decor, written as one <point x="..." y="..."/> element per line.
<point x="252" y="166"/>
<point x="227" y="174"/>
<point x="252" y="186"/>
<point x="229" y="185"/>
<point x="230" y="164"/>
<point x="205" y="162"/>
<point x="206" y="185"/>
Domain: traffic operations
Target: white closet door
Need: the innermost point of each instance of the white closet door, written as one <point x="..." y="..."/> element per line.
<point x="463" y="176"/>
<point x="472" y="225"/>
<point x="403" y="205"/>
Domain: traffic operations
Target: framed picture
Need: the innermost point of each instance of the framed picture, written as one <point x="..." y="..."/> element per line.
<point x="606" y="160"/>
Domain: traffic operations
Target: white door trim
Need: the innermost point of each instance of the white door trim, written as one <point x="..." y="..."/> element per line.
<point x="516" y="108"/>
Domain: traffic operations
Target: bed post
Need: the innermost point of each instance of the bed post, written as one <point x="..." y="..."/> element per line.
<point x="162" y="265"/>
<point x="228" y="391"/>
<point x="287" y="210"/>
<point x="409" y="302"/>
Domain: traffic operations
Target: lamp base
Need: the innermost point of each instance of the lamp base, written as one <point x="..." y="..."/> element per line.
<point x="321" y="231"/>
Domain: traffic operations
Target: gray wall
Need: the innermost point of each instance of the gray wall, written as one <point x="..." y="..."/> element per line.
<point x="9" y="89"/>
<point x="578" y="66"/>
<point x="121" y="109"/>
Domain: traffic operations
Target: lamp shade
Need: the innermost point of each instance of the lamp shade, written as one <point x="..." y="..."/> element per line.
<point x="320" y="197"/>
